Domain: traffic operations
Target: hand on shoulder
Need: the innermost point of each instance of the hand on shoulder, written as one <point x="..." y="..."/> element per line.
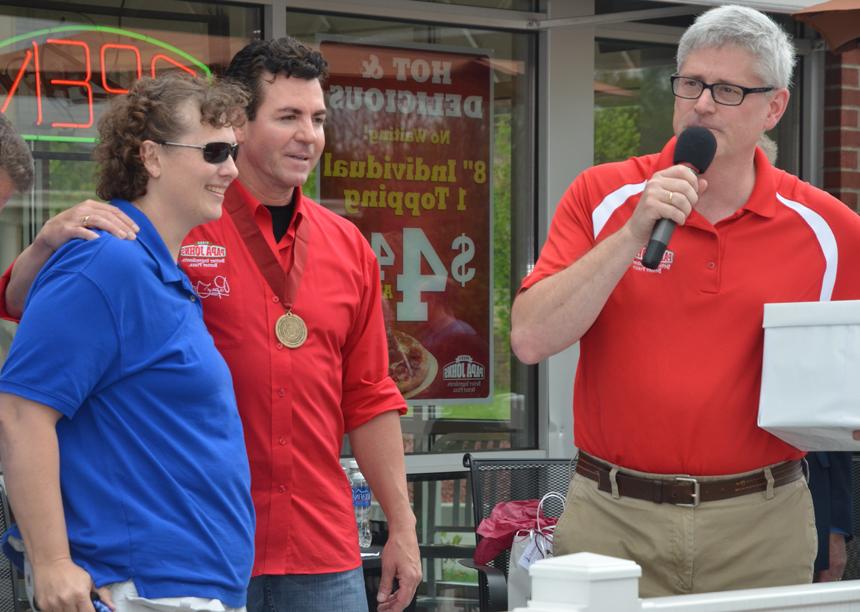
<point x="79" y="222"/>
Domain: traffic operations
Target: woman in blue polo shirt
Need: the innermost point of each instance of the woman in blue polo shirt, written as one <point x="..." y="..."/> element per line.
<point x="120" y="440"/>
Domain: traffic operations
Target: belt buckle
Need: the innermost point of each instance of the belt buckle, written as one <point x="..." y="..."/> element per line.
<point x="696" y="489"/>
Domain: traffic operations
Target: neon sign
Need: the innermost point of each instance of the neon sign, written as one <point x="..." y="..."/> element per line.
<point x="56" y="77"/>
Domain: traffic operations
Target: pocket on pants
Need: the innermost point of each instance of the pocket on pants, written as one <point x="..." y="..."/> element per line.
<point x="811" y="530"/>
<point x="565" y="531"/>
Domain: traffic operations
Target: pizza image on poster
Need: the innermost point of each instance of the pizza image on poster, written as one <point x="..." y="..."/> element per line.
<point x="407" y="160"/>
<point x="412" y="366"/>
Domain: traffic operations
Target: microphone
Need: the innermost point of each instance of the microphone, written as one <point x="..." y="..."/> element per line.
<point x="696" y="147"/>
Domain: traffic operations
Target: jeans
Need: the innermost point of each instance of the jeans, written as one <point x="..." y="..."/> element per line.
<point x="339" y="591"/>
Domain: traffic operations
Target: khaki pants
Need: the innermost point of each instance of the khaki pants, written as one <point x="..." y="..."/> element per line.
<point x="739" y="543"/>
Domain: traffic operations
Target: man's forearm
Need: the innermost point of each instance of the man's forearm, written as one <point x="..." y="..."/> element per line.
<point x="557" y="311"/>
<point x="79" y="221"/>
<point x="27" y="266"/>
<point x="378" y="448"/>
<point x="29" y="453"/>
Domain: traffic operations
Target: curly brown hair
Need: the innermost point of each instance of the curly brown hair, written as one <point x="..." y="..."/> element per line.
<point x="150" y="111"/>
<point x="15" y="157"/>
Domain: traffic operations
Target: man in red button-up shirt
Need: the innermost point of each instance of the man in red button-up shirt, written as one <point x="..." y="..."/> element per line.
<point x="299" y="394"/>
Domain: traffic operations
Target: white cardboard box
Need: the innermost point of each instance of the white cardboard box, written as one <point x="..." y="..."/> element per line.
<point x="810" y="388"/>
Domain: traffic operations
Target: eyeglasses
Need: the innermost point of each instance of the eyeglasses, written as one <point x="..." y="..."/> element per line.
<point x="213" y="152"/>
<point x="722" y="93"/>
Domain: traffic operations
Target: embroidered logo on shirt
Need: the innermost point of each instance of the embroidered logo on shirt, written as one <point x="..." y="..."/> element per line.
<point x="219" y="287"/>
<point x="665" y="263"/>
<point x="202" y="255"/>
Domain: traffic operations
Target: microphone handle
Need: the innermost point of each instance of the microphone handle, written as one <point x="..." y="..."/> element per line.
<point x="660" y="236"/>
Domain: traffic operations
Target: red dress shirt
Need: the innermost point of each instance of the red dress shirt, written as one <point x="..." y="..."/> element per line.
<point x="296" y="404"/>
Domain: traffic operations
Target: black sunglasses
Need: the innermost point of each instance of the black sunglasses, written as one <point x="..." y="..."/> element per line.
<point x="213" y="152"/>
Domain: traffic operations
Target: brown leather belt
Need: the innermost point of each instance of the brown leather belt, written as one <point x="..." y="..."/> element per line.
<point x="684" y="490"/>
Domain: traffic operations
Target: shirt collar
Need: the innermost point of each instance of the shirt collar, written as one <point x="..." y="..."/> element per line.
<point x="258" y="208"/>
<point x="762" y="200"/>
<point x="149" y="238"/>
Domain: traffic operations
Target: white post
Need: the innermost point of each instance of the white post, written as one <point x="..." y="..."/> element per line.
<point x="584" y="582"/>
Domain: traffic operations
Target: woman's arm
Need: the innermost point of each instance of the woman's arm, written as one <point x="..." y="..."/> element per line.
<point x="29" y="452"/>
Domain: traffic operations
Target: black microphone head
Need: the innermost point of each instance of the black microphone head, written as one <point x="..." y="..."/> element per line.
<point x="696" y="146"/>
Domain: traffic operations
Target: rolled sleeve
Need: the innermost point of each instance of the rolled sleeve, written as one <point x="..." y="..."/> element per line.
<point x="368" y="390"/>
<point x="371" y="400"/>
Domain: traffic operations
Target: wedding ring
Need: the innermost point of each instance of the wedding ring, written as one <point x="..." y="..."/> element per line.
<point x="671" y="193"/>
<point x="84" y="220"/>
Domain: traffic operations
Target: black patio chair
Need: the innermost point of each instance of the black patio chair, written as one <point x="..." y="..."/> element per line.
<point x="497" y="480"/>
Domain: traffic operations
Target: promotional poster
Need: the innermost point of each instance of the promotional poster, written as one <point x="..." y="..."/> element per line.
<point x="407" y="159"/>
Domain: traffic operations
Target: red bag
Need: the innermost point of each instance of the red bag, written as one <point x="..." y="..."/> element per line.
<point x="507" y="518"/>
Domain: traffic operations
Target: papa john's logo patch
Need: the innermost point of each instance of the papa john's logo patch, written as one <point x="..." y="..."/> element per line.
<point x="202" y="255"/>
<point x="665" y="263"/>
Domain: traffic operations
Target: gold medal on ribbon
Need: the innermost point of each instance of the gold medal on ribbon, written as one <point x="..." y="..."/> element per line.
<point x="291" y="330"/>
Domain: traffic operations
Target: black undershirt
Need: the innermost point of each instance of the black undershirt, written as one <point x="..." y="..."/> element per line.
<point x="281" y="217"/>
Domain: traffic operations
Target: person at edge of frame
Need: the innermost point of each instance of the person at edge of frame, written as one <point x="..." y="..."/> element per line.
<point x="120" y="438"/>
<point x="324" y="373"/>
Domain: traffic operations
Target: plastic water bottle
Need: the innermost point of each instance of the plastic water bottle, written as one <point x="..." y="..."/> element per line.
<point x="361" y="503"/>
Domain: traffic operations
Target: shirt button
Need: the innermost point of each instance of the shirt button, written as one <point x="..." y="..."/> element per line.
<point x="282" y="488"/>
<point x="192" y="298"/>
<point x="281" y="392"/>
<point x="279" y="346"/>
<point x="282" y="441"/>
<point x="711" y="265"/>
<point x="275" y="299"/>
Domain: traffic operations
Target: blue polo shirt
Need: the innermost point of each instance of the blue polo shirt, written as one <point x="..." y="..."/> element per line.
<point x="153" y="468"/>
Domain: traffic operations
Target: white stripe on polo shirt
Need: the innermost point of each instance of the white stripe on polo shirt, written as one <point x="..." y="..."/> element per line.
<point x="611" y="203"/>
<point x="826" y="240"/>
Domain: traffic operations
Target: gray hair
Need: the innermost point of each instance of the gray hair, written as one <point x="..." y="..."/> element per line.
<point x="15" y="156"/>
<point x="748" y="29"/>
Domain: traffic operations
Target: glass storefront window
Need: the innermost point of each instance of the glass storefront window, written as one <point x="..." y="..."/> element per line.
<point x="484" y="169"/>
<point x="504" y="76"/>
<point x="632" y="99"/>
<point x="633" y="104"/>
<point x="61" y="67"/>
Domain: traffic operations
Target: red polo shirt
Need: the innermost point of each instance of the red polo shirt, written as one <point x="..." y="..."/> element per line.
<point x="669" y="374"/>
<point x="296" y="404"/>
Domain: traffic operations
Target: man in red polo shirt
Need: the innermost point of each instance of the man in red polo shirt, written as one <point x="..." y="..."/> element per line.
<point x="291" y="294"/>
<point x="670" y="363"/>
